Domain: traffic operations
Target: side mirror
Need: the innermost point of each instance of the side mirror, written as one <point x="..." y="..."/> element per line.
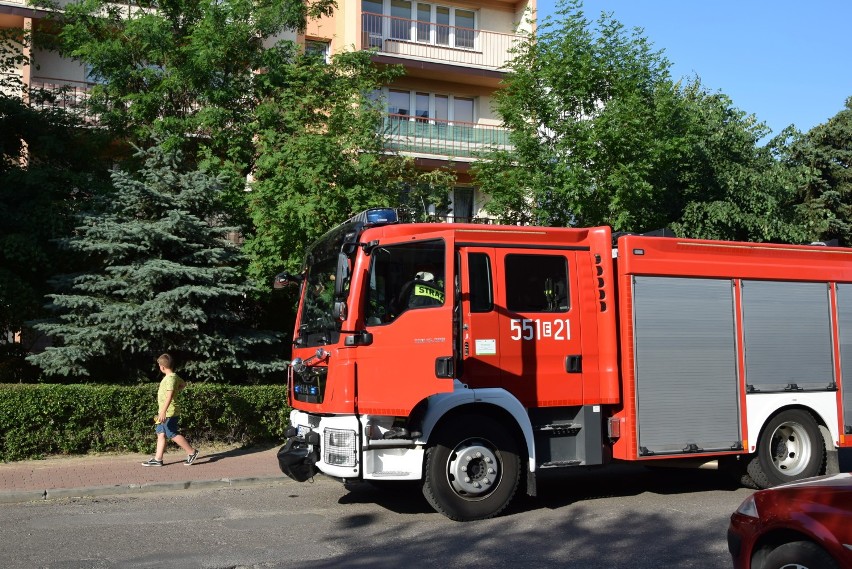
<point x="341" y="278"/>
<point x="285" y="279"/>
<point x="339" y="311"/>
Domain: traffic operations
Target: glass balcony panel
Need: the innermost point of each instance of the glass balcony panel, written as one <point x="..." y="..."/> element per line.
<point x="442" y="138"/>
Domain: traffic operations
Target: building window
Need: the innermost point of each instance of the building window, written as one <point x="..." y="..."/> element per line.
<point x="422" y="22"/>
<point x="399" y="102"/>
<point x="319" y="48"/>
<point x="400" y="20"/>
<point x="463" y="205"/>
<point x="440" y="108"/>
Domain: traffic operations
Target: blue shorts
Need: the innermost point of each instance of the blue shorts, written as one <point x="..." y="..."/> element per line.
<point x="169" y="428"/>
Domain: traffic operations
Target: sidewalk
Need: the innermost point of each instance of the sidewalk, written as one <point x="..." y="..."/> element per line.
<point x="101" y="475"/>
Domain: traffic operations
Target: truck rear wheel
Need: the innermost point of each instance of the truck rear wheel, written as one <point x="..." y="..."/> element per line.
<point x="790" y="448"/>
<point x="473" y="469"/>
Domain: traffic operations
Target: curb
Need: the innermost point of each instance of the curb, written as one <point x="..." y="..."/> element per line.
<point x="23" y="496"/>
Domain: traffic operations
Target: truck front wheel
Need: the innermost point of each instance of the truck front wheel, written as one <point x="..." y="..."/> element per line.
<point x="790" y="448"/>
<point x="473" y="469"/>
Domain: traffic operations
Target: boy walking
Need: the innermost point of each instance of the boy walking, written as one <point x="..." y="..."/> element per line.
<point x="167" y="415"/>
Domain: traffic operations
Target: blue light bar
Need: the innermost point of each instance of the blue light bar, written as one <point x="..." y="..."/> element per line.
<point x="376" y="216"/>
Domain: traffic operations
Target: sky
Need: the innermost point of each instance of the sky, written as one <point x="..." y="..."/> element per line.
<point x="785" y="61"/>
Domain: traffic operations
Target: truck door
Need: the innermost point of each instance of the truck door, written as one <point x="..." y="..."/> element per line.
<point x="408" y="310"/>
<point x="534" y="326"/>
<point x="480" y="356"/>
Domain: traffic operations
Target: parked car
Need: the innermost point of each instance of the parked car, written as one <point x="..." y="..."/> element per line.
<point x="801" y="525"/>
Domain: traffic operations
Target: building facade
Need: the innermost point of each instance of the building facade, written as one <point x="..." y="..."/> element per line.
<point x="454" y="55"/>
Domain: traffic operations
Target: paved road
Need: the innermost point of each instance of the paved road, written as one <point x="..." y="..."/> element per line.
<point x="625" y="516"/>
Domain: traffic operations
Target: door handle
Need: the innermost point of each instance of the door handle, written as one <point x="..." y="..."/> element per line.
<point x="574" y="364"/>
<point x="444" y="367"/>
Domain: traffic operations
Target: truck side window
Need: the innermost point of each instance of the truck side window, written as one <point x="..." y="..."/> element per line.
<point x="405" y="277"/>
<point x="479" y="279"/>
<point x="536" y="283"/>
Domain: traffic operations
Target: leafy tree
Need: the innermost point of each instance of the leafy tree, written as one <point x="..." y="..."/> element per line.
<point x="303" y="128"/>
<point x="49" y="169"/>
<point x="165" y="282"/>
<point x="601" y="134"/>
<point x="826" y="195"/>
<point x="725" y="184"/>
<point x="169" y="68"/>
<point x="321" y="157"/>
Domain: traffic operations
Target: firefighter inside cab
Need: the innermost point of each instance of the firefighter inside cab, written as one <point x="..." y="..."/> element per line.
<point x="421" y="291"/>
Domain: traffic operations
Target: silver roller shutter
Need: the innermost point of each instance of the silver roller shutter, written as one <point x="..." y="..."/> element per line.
<point x="686" y="365"/>
<point x="787" y="330"/>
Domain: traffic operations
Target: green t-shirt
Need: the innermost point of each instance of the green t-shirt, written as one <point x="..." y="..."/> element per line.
<point x="170" y="383"/>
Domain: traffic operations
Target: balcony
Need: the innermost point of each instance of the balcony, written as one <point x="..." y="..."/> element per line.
<point x="71" y="96"/>
<point x="442" y="138"/>
<point x="438" y="43"/>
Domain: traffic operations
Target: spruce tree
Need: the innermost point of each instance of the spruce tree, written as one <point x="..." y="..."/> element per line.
<point x="167" y="280"/>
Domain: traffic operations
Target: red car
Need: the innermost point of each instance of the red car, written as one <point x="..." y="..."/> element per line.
<point x="802" y="525"/>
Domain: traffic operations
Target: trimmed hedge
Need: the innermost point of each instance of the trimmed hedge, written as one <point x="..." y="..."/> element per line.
<point x="38" y="420"/>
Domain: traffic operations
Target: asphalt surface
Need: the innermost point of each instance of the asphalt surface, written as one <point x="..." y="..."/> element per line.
<point x="114" y="474"/>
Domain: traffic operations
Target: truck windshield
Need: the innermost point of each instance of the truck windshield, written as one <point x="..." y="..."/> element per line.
<point x="317" y="325"/>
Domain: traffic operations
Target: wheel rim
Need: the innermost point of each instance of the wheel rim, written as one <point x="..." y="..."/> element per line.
<point x="790" y="448"/>
<point x="473" y="469"/>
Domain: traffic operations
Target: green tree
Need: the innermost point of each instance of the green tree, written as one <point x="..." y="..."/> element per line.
<point x="725" y="185"/>
<point x="825" y="195"/>
<point x="172" y="68"/>
<point x="322" y="158"/>
<point x="183" y="72"/>
<point x="602" y="134"/>
<point x="49" y="169"/>
<point x="165" y="282"/>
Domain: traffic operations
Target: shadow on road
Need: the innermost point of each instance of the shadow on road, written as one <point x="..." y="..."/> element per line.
<point x="230" y="453"/>
<point x="557" y="489"/>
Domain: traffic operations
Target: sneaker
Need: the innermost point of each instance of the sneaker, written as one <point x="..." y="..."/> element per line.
<point x="152" y="462"/>
<point x="191" y="458"/>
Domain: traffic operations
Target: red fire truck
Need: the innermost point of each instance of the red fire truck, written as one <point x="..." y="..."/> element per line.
<point x="473" y="357"/>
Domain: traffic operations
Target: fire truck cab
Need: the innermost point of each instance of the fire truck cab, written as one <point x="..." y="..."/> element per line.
<point x="472" y="357"/>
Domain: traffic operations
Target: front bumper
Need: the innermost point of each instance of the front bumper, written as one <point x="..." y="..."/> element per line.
<point x="742" y="534"/>
<point x="326" y="444"/>
<point x="297" y="459"/>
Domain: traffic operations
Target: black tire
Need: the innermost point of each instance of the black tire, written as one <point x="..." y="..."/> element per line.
<point x="472" y="469"/>
<point x="799" y="555"/>
<point x="790" y="448"/>
<point x="734" y="469"/>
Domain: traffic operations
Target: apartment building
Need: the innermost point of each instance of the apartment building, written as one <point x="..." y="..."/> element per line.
<point x="454" y="54"/>
<point x="439" y="113"/>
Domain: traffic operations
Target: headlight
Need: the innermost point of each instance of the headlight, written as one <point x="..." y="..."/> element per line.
<point x="749" y="508"/>
<point x="339" y="447"/>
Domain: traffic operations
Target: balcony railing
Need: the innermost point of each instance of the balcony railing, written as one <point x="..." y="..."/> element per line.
<point x="441" y="137"/>
<point x="436" y="42"/>
<point x="52" y="93"/>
